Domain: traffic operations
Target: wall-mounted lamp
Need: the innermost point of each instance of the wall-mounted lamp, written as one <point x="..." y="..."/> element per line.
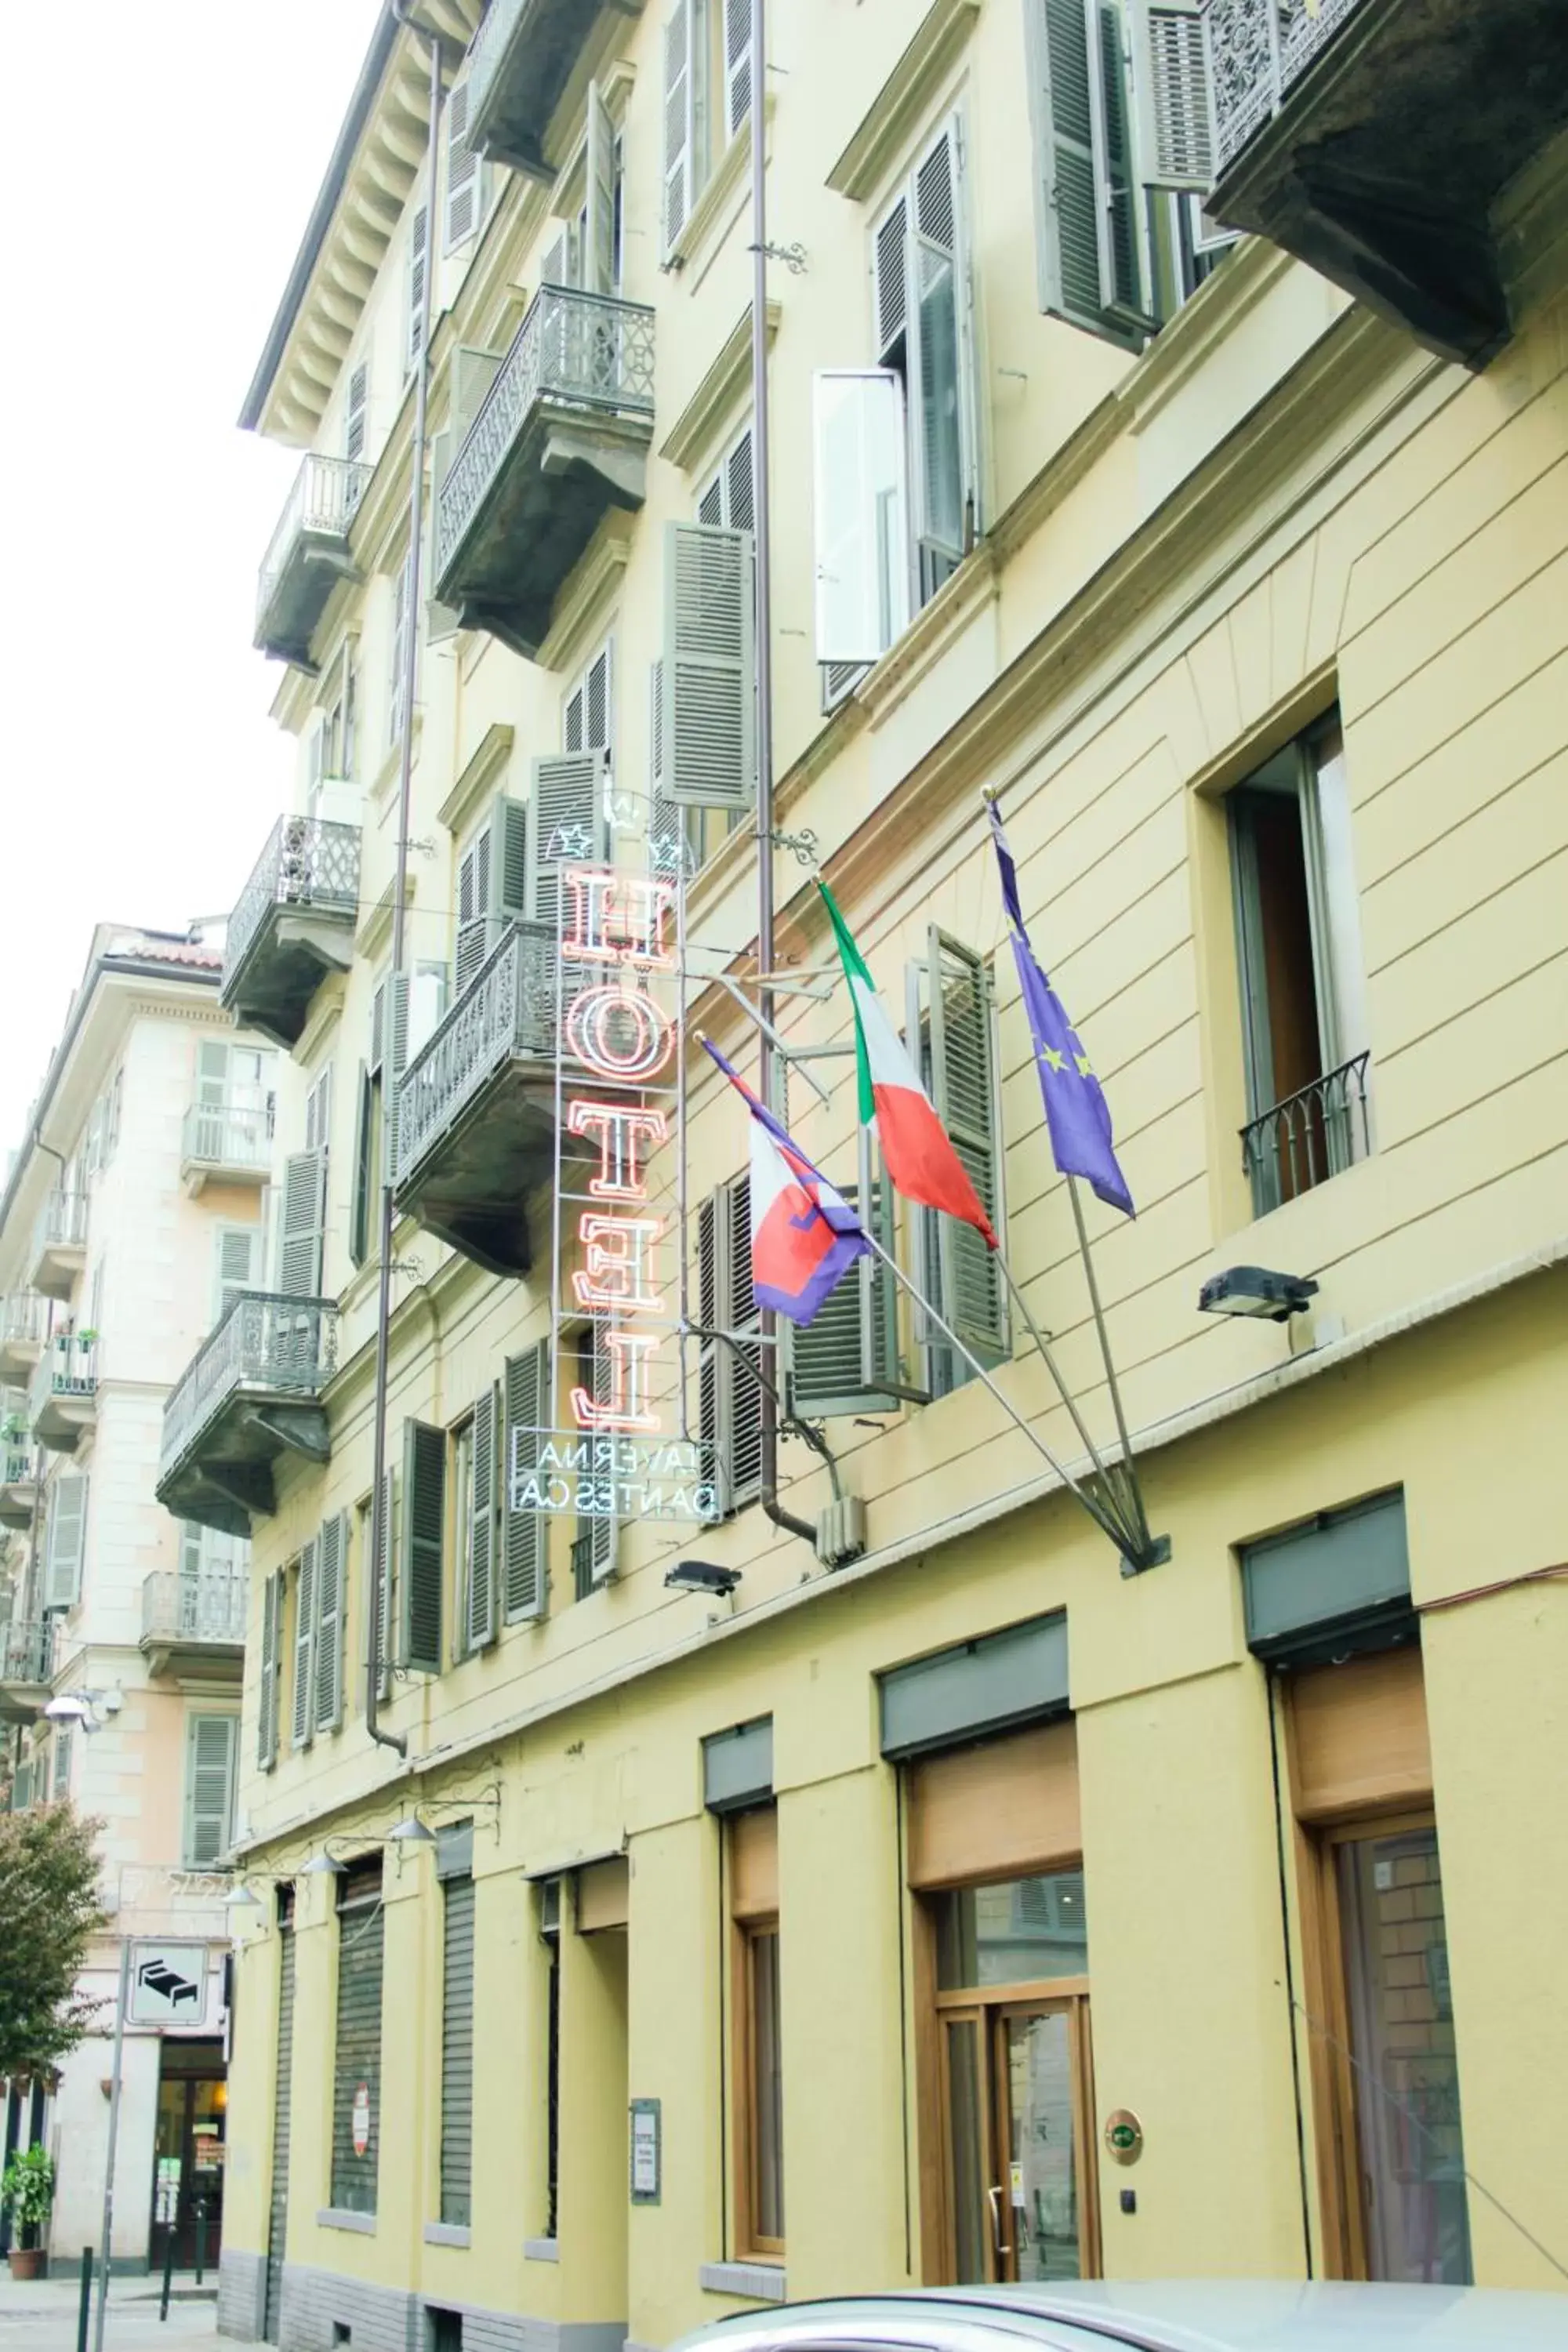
<point x="702" y="1576"/>
<point x="1258" y="1291"/>
<point x="322" y="1865"/>
<point x="412" y="1832"/>
<point x="240" y="1899"/>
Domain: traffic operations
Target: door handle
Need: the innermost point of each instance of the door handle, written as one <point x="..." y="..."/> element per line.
<point x="997" y="2240"/>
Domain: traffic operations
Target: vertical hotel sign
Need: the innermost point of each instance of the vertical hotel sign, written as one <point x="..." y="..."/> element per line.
<point x="620" y="1451"/>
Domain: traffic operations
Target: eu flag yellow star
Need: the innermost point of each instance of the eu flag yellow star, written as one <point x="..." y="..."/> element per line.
<point x="1083" y="1069"/>
<point x="1049" y="1054"/>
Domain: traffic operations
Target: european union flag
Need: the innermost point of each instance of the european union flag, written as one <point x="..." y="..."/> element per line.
<point x="1076" y="1112"/>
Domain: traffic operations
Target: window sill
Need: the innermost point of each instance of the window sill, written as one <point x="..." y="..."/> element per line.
<point x="446" y="2233"/>
<point x="710" y="216"/>
<point x="760" y="2282"/>
<point x="540" y="2249"/>
<point x="338" y="2217"/>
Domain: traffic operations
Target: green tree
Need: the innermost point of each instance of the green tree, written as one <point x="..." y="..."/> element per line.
<point x="48" y="1903"/>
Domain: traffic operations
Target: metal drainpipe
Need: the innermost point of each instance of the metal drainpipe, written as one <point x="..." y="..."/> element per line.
<point x="397" y="1739"/>
<point x="769" y="1414"/>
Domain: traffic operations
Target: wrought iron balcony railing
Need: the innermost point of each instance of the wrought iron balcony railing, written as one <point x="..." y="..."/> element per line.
<point x="228" y="1135"/>
<point x="62" y="1223"/>
<point x="286" y="1347"/>
<point x="320" y="506"/>
<point x="67" y="1369"/>
<point x="1257" y="49"/>
<point x="178" y="1607"/>
<point x="1313" y="1135"/>
<point x="24" y="1320"/>
<point x="27" y="1650"/>
<point x="307" y="864"/>
<point x="508" y="1008"/>
<point x="16" y="1465"/>
<point x="588" y="351"/>
<point x="487" y="48"/>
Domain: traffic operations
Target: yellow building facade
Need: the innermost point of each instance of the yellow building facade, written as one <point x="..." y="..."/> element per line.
<point x="939" y="1901"/>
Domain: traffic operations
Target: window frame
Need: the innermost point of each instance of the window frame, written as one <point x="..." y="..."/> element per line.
<point x="752" y="1920"/>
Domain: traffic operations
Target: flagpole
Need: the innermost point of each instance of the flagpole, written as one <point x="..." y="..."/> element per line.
<point x="1128" y="1464"/>
<point x="1125" y="1509"/>
<point x="1091" y="1503"/>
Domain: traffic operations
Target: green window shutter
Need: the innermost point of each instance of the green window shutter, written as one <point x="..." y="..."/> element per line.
<point x="67" y="1541"/>
<point x="212" y="1744"/>
<point x="266" y="1690"/>
<point x="708" y="755"/>
<point x="332" y="1562"/>
<point x="737" y="64"/>
<point x="419" y="262"/>
<point x="599" y="256"/>
<point x="525" y="1533"/>
<point x="304" y="1220"/>
<point x="845" y="1360"/>
<point x="966" y="1091"/>
<point x="463" y="182"/>
<point x="354" y="414"/>
<point x="728" y="1399"/>
<point x="604" y="1529"/>
<point x="1121" y="274"/>
<point x="365" y="1161"/>
<point x="1068" y="91"/>
<point x="479" y="1598"/>
<point x="492" y="884"/>
<point x="938" y="373"/>
<point x="1170" y="72"/>
<point x="236" y="1256"/>
<point x="458" y="2052"/>
<point x="566" y="824"/>
<point x="302" y="1718"/>
<point x="420" y="1564"/>
<point x="390" y="1613"/>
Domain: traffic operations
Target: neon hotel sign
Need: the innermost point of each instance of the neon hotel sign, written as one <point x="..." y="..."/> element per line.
<point x="615" y="1048"/>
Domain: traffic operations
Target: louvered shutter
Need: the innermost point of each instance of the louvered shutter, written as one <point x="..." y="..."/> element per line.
<point x="737" y="64"/>
<point x="525" y="1533"/>
<point x="331" y="1564"/>
<point x="1175" y="131"/>
<point x="319" y="1112"/>
<point x="845" y="1361"/>
<point x="739" y="489"/>
<point x="302" y="1711"/>
<point x="675" y="834"/>
<point x="492" y="884"/>
<point x="420" y="1562"/>
<point x="680" y="120"/>
<point x="567" y="825"/>
<point x="709" y="1361"/>
<point x="462" y="171"/>
<point x="457" y="2156"/>
<point x="1069" y="259"/>
<point x="266" y="1691"/>
<point x="1121" y="277"/>
<point x="67" y="1541"/>
<point x="964" y="1088"/>
<point x="355" y="420"/>
<point x="939" y="380"/>
<point x="740" y="1307"/>
<point x="599" y="255"/>
<point x="394" y="1020"/>
<point x="397" y="696"/>
<point x="365" y="1159"/>
<point x="212" y="1073"/>
<point x="604" y="1530"/>
<point x="419" y="260"/>
<point x="709" y="703"/>
<point x="235" y="1265"/>
<point x="212" y="1743"/>
<point x="479" y="1596"/>
<point x="859" y="512"/>
<point x="304" y="1219"/>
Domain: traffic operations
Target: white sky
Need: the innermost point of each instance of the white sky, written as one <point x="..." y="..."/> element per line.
<point x="155" y="205"/>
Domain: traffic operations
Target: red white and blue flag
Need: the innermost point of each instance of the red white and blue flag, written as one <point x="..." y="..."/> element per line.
<point x="804" y="1236"/>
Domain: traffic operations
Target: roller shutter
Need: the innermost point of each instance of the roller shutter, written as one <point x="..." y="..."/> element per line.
<point x="458" y="2053"/>
<point x="277" y="2223"/>
<point x="358" y="2056"/>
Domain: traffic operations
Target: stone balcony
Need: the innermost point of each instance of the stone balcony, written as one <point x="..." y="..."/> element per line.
<point x="24" y="1324"/>
<point x="62" y="1397"/>
<point x="26" y="1664"/>
<point x="561" y="436"/>
<point x="195" y="1623"/>
<point x="59" y="1252"/>
<point x="309" y="554"/>
<point x="1372" y="138"/>
<point x="225" y="1143"/>
<point x="476" y="1110"/>
<point x="293" y="924"/>
<point x="250" y="1393"/>
<point x="519" y="64"/>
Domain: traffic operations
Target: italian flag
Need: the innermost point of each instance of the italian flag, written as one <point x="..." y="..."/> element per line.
<point x="920" y="1161"/>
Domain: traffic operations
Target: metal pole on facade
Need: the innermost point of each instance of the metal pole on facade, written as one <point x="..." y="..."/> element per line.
<point x="107" y="2247"/>
<point x="379" y="1531"/>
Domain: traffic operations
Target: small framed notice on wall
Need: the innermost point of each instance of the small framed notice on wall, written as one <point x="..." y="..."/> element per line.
<point x="646" y="2152"/>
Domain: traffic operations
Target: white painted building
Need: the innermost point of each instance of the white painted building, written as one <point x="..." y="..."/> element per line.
<point x="134" y="1208"/>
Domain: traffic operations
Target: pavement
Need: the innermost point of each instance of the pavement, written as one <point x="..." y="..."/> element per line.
<point x="42" y="2317"/>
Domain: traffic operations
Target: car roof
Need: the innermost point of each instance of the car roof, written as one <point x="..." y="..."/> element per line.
<point x="1172" y="2316"/>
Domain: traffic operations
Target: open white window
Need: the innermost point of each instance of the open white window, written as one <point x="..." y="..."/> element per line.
<point x="858" y="488"/>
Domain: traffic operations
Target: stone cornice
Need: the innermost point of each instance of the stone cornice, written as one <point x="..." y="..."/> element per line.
<point x="701" y="424"/>
<point x="890" y="120"/>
